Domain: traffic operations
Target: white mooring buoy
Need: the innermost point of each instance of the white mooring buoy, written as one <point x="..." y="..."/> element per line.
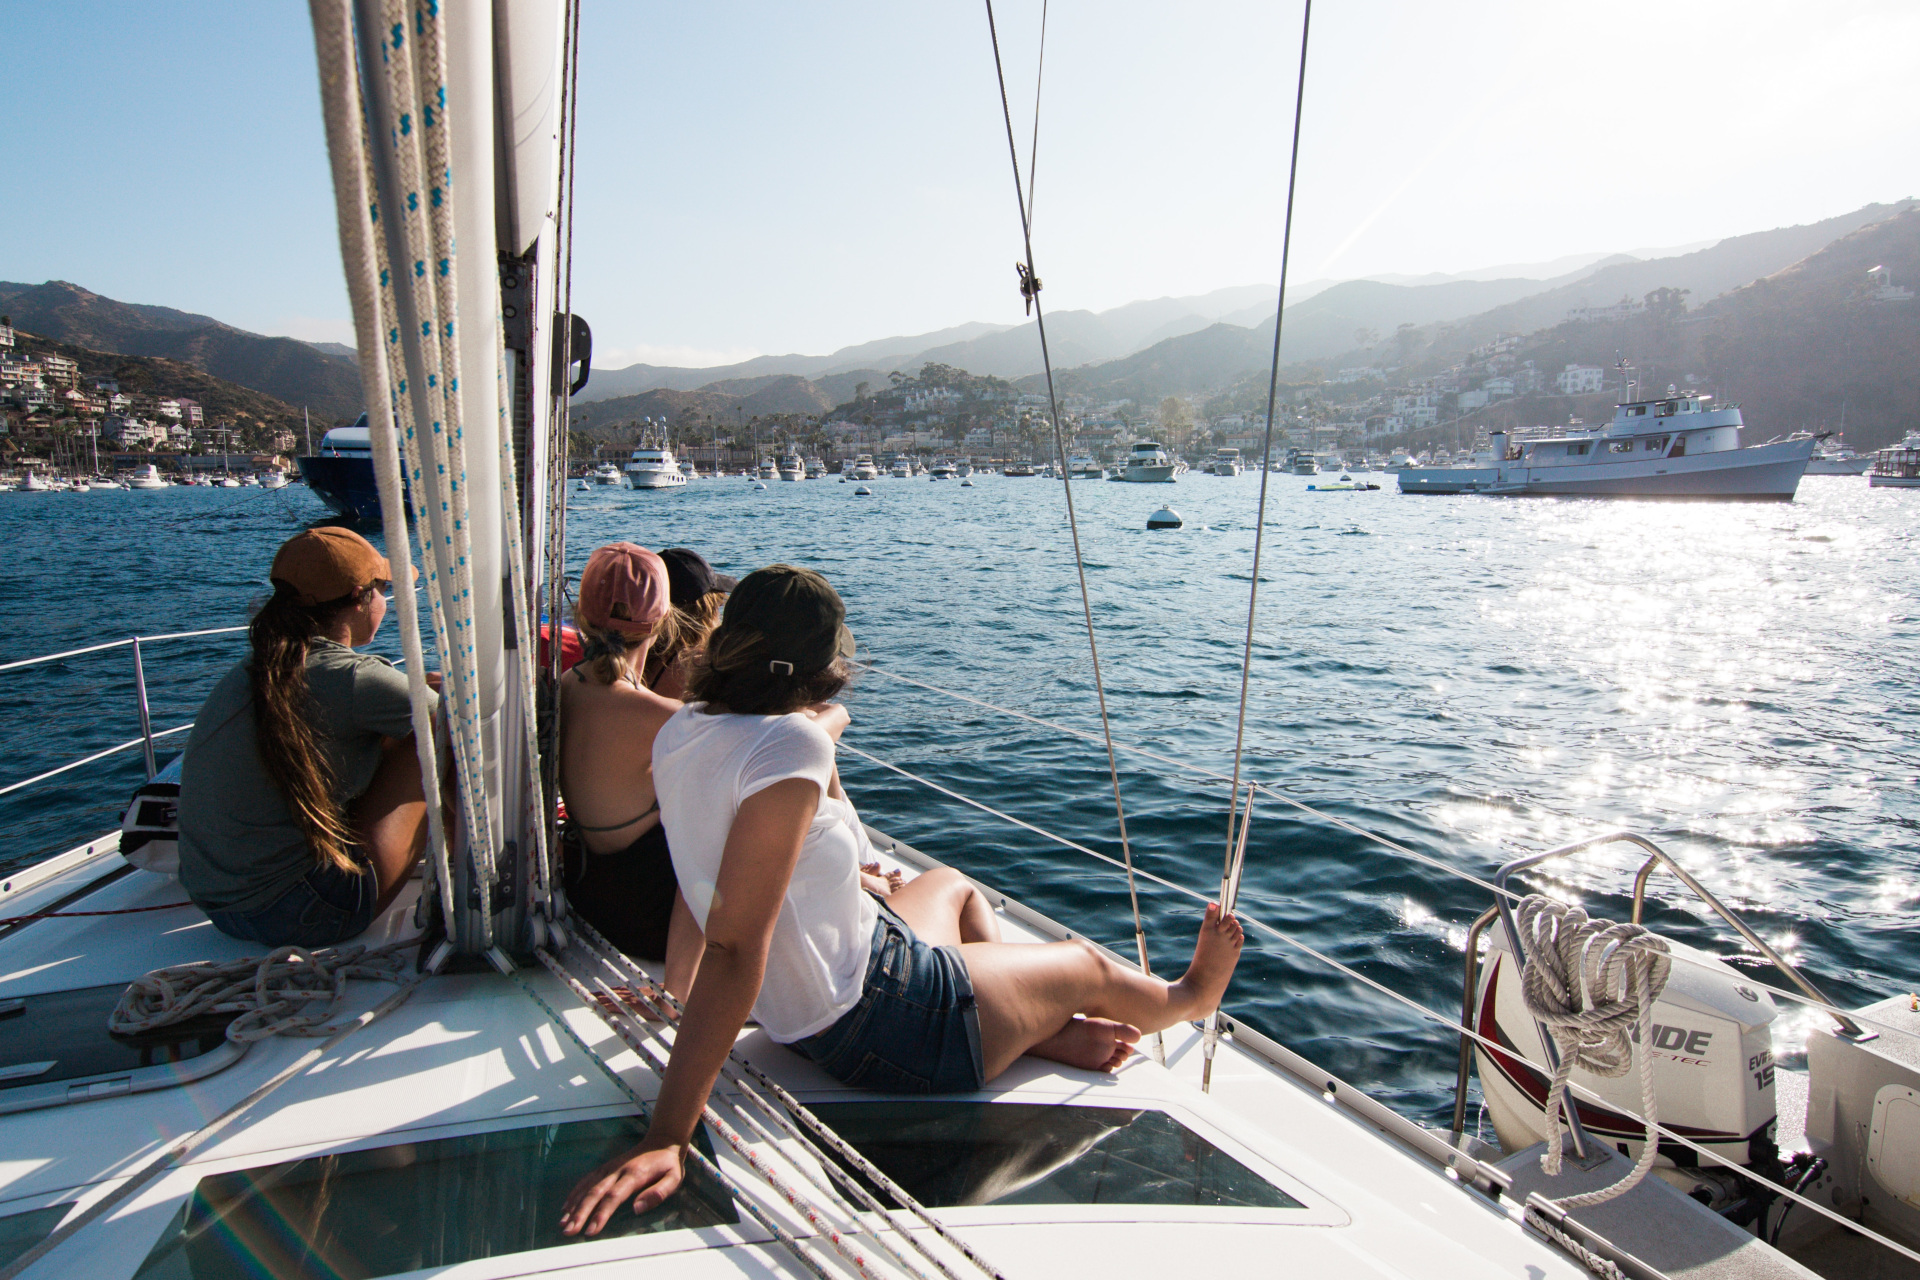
<point x="966" y="484"/>
<point x="863" y="492"/>
<point x="1164" y="518"/>
<point x="758" y="487"/>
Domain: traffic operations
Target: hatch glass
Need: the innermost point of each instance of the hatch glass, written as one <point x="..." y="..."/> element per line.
<point x="62" y="1035"/>
<point x="946" y="1154"/>
<point x="412" y="1206"/>
<point x="19" y="1232"/>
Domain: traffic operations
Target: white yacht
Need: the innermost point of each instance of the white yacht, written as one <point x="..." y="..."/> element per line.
<point x="1145" y="463"/>
<point x="768" y="470"/>
<point x="902" y="468"/>
<point x="1302" y="463"/>
<point x="1084" y="466"/>
<point x="1225" y="462"/>
<point x="863" y="468"/>
<point x="607" y="476"/>
<point x="273" y="478"/>
<point x="792" y="468"/>
<point x="1680" y="446"/>
<point x="652" y="466"/>
<point x="1898" y="467"/>
<point x="146" y="476"/>
<point x="963" y="467"/>
<point x="1831" y="458"/>
<point x="942" y="469"/>
<point x="816" y="469"/>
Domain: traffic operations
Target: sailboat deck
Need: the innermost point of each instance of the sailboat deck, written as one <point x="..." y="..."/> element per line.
<point x="473" y="1054"/>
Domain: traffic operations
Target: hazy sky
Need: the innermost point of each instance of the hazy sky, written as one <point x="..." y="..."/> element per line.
<point x="778" y="177"/>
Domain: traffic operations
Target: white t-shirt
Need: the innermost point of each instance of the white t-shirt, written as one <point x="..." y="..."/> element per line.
<point x="704" y="766"/>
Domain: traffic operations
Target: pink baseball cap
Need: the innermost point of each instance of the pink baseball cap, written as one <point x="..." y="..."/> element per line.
<point x="624" y="588"/>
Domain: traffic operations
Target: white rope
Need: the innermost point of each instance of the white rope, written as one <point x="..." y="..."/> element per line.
<point x="289" y="992"/>
<point x="179" y="1150"/>
<point x="660" y="1002"/>
<point x="623" y="1001"/>
<point x="526" y="628"/>
<point x="695" y="1156"/>
<point x="436" y="454"/>
<point x="361" y="254"/>
<point x="741" y="1147"/>
<point x="1592" y="984"/>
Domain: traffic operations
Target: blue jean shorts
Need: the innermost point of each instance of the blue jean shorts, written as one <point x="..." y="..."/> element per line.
<point x="323" y="908"/>
<point x="915" y="1029"/>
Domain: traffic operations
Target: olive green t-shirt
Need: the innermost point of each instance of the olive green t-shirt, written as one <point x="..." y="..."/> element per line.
<point x="240" y="848"/>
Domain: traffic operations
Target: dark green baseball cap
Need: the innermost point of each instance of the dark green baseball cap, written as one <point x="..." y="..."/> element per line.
<point x="797" y="611"/>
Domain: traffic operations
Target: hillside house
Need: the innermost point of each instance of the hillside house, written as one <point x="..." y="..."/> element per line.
<point x="1580" y="380"/>
<point x="1881" y="288"/>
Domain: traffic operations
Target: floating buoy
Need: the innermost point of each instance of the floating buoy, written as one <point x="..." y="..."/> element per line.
<point x="966" y="484"/>
<point x="1164" y="518"/>
<point x="758" y="487"/>
<point x="863" y="492"/>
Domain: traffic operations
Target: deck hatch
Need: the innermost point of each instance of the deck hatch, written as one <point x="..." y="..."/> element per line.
<point x="947" y="1154"/>
<point x="19" y="1232"/>
<point x="410" y="1206"/>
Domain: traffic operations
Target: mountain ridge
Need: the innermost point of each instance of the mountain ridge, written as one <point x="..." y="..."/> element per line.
<point x="286" y="369"/>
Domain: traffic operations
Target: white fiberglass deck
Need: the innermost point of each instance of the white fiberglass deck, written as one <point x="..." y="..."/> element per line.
<point x="473" y="1054"/>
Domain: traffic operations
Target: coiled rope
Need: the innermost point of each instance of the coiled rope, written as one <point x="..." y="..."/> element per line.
<point x="1592" y="984"/>
<point x="288" y="992"/>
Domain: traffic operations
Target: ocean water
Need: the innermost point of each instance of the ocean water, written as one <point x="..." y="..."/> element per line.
<point x="1475" y="678"/>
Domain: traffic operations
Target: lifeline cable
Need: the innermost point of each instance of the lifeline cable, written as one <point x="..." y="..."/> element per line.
<point x="1030" y="288"/>
<point x="1385" y="842"/>
<point x="1449" y="1021"/>
<point x="1237" y="842"/>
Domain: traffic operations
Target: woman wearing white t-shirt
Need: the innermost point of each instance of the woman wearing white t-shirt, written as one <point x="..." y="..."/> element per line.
<point x="913" y="994"/>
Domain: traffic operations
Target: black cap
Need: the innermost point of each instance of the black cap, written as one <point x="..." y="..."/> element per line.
<point x="797" y="611"/>
<point x="689" y="576"/>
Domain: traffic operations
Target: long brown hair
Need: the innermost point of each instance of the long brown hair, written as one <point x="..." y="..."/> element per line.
<point x="683" y="633"/>
<point x="289" y="746"/>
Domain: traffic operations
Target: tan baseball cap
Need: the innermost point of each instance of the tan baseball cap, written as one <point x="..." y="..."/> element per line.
<point x="328" y="563"/>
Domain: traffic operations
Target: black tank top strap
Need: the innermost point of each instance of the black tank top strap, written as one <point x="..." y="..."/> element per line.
<point x="650" y="809"/>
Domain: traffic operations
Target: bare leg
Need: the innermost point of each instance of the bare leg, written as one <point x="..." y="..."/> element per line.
<point x="389" y="818"/>
<point x="685" y="945"/>
<point x="1027" y="995"/>
<point x="945" y="909"/>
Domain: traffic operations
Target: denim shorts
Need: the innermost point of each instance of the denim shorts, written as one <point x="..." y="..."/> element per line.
<point x="323" y="908"/>
<point x="915" y="1028"/>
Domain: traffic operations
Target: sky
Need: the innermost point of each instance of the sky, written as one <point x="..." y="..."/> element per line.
<point x="759" y="178"/>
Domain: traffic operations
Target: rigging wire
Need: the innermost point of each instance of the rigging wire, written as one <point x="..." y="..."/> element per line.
<point x="1030" y="288"/>
<point x="1033" y="152"/>
<point x="1236" y="817"/>
<point x="558" y="423"/>
<point x="1450" y="1021"/>
<point x="1301" y="806"/>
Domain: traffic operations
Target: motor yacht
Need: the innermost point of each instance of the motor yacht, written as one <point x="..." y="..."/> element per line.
<point x="816" y="469"/>
<point x="1084" y="466"/>
<point x="1146" y="463"/>
<point x="1680" y="446"/>
<point x="1225" y="462"/>
<point x="942" y="469"/>
<point x="792" y="468"/>
<point x="902" y="468"/>
<point x="273" y="478"/>
<point x="768" y="470"/>
<point x="863" y="468"/>
<point x="963" y="467"/>
<point x="1898" y="467"/>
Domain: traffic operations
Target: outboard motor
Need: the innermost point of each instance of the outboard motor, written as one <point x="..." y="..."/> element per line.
<point x="1713" y="1064"/>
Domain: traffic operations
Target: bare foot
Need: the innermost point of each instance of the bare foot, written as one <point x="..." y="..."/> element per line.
<point x="1214" y="957"/>
<point x="1092" y="1044"/>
